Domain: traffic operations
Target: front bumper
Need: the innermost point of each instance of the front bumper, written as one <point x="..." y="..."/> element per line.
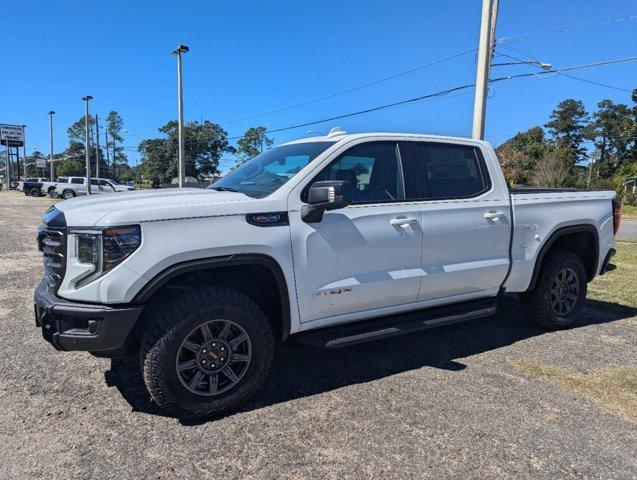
<point x="77" y="326"/>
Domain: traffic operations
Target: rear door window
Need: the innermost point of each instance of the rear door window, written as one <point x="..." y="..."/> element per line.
<point x="443" y="171"/>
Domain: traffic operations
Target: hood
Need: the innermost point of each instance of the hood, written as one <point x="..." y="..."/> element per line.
<point x="153" y="205"/>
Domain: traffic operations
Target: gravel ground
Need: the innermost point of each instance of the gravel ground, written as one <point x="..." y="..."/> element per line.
<point x="447" y="403"/>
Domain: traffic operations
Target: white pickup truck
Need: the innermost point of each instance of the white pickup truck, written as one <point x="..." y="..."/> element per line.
<point x="36" y="187"/>
<point x="335" y="240"/>
<point x="75" y="186"/>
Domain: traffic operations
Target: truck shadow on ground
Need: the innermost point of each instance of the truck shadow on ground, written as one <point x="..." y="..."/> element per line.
<point x="300" y="371"/>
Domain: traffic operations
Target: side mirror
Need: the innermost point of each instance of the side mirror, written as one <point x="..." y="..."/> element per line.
<point x="326" y="195"/>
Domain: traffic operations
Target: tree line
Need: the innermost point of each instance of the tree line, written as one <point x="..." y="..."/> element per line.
<point x="576" y="148"/>
<point x="113" y="162"/>
<point x="204" y="144"/>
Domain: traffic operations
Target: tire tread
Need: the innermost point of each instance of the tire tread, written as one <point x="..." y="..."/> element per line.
<point x="533" y="303"/>
<point x="159" y="325"/>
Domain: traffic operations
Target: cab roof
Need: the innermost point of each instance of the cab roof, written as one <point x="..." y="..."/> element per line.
<point x="345" y="137"/>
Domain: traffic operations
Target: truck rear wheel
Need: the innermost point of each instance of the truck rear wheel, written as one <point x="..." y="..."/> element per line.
<point x="559" y="294"/>
<point x="205" y="351"/>
<point x="66" y="194"/>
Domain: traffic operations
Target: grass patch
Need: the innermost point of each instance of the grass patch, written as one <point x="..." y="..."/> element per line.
<point x="629" y="211"/>
<point x="612" y="388"/>
<point x="620" y="285"/>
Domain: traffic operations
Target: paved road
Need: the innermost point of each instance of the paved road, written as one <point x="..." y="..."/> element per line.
<point x="448" y="403"/>
<point x="628" y="229"/>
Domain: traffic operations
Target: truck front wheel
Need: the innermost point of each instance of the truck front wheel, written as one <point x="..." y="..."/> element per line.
<point x="205" y="351"/>
<point x="66" y="194"/>
<point x="560" y="292"/>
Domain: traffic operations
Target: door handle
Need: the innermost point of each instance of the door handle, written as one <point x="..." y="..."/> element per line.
<point x="402" y="222"/>
<point x="493" y="215"/>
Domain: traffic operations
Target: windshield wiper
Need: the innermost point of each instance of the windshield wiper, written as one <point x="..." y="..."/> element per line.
<point x="224" y="189"/>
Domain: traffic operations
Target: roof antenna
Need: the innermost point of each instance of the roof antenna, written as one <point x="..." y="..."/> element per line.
<point x="336" y="132"/>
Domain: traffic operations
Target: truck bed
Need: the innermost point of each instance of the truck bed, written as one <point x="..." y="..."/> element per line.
<point x="527" y="190"/>
<point x="539" y="212"/>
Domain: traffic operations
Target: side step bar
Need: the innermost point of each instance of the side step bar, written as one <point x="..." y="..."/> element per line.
<point x="380" y="328"/>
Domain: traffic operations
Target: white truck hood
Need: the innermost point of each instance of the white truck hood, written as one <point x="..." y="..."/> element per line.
<point x="152" y="205"/>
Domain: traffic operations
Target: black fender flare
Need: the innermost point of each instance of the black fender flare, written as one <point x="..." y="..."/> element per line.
<point x="211" y="263"/>
<point x="560" y="232"/>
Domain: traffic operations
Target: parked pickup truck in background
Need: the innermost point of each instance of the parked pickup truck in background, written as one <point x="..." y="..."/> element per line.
<point x="36" y="187"/>
<point x="334" y="240"/>
<point x="78" y="186"/>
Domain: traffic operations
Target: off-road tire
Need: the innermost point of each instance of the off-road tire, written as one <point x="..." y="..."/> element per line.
<point x="35" y="192"/>
<point x="169" y="320"/>
<point x="536" y="304"/>
<point x="66" y="194"/>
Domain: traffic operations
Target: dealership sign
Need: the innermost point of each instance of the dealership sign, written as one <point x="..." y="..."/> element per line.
<point x="12" y="135"/>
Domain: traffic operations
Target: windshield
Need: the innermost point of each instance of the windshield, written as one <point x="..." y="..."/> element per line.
<point x="265" y="173"/>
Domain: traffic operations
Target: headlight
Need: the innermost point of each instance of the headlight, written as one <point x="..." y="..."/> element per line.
<point x="118" y="243"/>
<point x="89" y="247"/>
<point x="104" y="249"/>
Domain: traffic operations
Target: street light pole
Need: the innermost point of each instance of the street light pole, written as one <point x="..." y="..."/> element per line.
<point x="181" y="170"/>
<point x="87" y="147"/>
<point x="51" y="113"/>
<point x="97" y="146"/>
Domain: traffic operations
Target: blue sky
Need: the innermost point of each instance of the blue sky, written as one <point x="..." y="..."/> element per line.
<point x="251" y="57"/>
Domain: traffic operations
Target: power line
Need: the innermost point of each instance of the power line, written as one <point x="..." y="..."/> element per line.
<point x="567" y="69"/>
<point x="447" y="91"/>
<point x="352" y="89"/>
<point x="552" y="31"/>
<point x="569" y="27"/>
<point x="373" y="109"/>
<point x="595" y="83"/>
<point x="561" y="73"/>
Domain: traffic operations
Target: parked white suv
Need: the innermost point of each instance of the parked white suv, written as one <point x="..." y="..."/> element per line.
<point x="78" y="186"/>
<point x="336" y="240"/>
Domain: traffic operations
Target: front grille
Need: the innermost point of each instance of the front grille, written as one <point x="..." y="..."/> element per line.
<point x="52" y="244"/>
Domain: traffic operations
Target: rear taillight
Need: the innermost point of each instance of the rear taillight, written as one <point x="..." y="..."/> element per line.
<point x="617" y="214"/>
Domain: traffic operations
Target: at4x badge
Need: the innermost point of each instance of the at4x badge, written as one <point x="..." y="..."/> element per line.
<point x="269" y="219"/>
<point x="332" y="291"/>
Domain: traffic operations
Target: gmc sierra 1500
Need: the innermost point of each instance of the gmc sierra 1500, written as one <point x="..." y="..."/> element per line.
<point x="336" y="240"/>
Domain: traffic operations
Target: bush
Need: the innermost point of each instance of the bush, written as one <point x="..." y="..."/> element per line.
<point x="629" y="198"/>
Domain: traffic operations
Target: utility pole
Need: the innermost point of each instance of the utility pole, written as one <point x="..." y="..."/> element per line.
<point x="87" y="147"/>
<point x="108" y="157"/>
<point x="7" y="168"/>
<point x="24" y="153"/>
<point x="51" y="113"/>
<point x="180" y="107"/>
<point x="97" y="146"/>
<point x="485" y="46"/>
<point x="17" y="163"/>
